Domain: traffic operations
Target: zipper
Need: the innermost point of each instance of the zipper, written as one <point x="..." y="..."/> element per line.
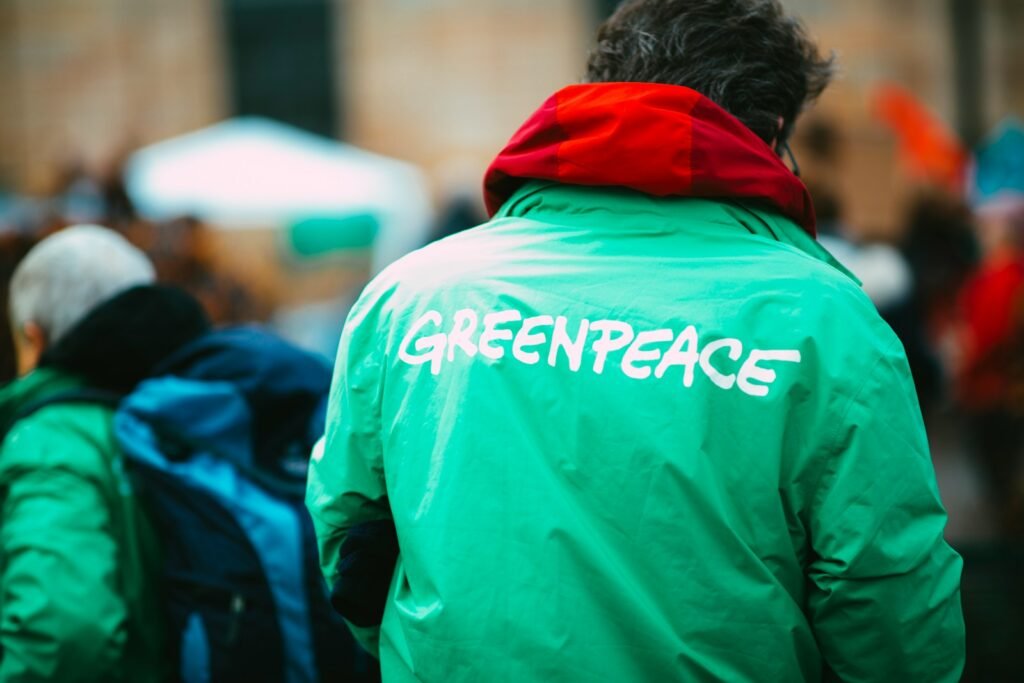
<point x="235" y="611"/>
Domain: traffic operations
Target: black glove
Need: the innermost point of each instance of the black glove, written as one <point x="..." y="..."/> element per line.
<point x="365" y="565"/>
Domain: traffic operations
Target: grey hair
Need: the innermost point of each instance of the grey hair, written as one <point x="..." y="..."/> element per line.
<point x="64" y="277"/>
<point x="747" y="56"/>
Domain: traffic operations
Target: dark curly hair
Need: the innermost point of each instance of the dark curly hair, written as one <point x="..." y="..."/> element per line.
<point x="747" y="56"/>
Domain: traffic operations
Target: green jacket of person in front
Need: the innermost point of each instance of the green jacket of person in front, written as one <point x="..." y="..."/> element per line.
<point x="641" y="426"/>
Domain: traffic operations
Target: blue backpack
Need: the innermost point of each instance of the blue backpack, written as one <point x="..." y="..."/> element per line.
<point x="218" y="442"/>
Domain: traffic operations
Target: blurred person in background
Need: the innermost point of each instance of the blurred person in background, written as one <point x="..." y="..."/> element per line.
<point x="78" y="557"/>
<point x="641" y="426"/>
<point x="887" y="279"/>
<point x="84" y="194"/>
<point x="991" y="361"/>
<point x="884" y="273"/>
<point x="461" y="207"/>
<point x="79" y="194"/>
<point x="940" y="248"/>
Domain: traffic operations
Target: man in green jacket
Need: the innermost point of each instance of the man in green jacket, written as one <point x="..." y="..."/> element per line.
<point x="78" y="559"/>
<point x="641" y="426"/>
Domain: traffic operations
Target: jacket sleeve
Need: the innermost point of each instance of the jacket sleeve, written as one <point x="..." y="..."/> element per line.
<point x="62" y="615"/>
<point x="884" y="585"/>
<point x="346" y="480"/>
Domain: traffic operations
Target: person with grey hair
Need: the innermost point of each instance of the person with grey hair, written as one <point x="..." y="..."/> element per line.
<point x="63" y="279"/>
<point x="78" y="556"/>
<point x="640" y="426"/>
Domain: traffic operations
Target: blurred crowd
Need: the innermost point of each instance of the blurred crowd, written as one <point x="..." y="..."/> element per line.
<point x="179" y="248"/>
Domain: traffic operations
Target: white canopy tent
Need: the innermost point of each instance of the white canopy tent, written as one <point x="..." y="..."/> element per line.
<point x="254" y="172"/>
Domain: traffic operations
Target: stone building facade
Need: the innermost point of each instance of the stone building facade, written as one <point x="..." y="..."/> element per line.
<point x="442" y="83"/>
<point x="84" y="80"/>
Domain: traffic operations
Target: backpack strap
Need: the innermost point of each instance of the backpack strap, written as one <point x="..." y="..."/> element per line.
<point x="101" y="397"/>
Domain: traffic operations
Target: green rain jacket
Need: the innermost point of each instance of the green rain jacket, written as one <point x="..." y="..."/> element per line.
<point x="633" y="435"/>
<point x="77" y="557"/>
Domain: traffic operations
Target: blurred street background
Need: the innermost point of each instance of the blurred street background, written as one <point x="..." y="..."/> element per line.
<point x="271" y="155"/>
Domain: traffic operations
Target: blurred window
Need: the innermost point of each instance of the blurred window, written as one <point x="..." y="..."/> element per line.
<point x="281" y="58"/>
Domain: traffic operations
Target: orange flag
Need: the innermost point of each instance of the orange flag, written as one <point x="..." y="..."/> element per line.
<point x="928" y="147"/>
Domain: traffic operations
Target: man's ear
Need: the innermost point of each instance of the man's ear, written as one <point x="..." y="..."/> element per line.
<point x="29" y="344"/>
<point x="780" y="124"/>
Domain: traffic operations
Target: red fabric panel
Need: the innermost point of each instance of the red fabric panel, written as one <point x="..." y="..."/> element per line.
<point x="531" y="153"/>
<point x="635" y="136"/>
<point x="730" y="161"/>
<point x="658" y="139"/>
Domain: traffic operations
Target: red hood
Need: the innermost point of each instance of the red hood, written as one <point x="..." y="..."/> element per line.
<point x="662" y="140"/>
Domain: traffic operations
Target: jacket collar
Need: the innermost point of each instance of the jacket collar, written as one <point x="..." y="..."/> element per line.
<point x="661" y="140"/>
<point x="123" y="339"/>
<point x="38" y="385"/>
<point x="634" y="211"/>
